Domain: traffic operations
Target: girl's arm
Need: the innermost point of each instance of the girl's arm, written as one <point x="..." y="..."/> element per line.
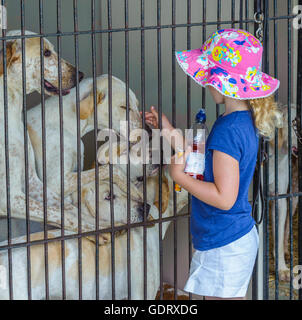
<point x="223" y="192"/>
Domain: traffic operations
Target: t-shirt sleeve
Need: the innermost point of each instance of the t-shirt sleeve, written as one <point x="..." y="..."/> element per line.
<point x="227" y="140"/>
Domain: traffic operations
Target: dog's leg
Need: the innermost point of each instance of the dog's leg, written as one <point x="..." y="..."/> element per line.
<point x="87" y="176"/>
<point x="286" y="237"/>
<point x="283" y="269"/>
<point x="286" y="232"/>
<point x="294" y="204"/>
<point x="71" y="180"/>
<point x="282" y="212"/>
<point x="36" y="211"/>
<point x="36" y="192"/>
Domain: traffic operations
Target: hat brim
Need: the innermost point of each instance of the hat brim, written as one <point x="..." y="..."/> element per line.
<point x="237" y="86"/>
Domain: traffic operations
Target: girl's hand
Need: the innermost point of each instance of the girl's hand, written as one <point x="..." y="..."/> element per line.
<point x="177" y="166"/>
<point x="152" y="119"/>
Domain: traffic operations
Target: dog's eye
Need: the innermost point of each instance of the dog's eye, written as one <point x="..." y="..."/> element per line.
<point x="110" y="196"/>
<point x="125" y="108"/>
<point x="47" y="53"/>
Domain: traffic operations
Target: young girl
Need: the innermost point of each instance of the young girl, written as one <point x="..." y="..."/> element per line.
<point x="223" y="231"/>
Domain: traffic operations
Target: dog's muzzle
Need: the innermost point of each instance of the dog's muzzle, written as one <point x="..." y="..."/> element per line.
<point x="53" y="89"/>
<point x="141" y="209"/>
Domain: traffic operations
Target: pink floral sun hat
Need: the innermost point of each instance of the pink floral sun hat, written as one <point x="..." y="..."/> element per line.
<point x="230" y="61"/>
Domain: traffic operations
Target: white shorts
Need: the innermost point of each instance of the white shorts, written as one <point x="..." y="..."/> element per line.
<point x="224" y="272"/>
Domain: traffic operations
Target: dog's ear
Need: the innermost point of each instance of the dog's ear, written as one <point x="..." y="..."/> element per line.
<point x="104" y="238"/>
<point x="280" y="138"/>
<point x="12" y="55"/>
<point x="100" y="97"/>
<point x="165" y="194"/>
<point x="86" y="105"/>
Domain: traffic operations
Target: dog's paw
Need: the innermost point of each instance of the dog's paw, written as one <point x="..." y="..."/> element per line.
<point x="104" y="238"/>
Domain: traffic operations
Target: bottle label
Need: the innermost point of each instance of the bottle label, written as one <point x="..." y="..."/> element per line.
<point x="195" y="163"/>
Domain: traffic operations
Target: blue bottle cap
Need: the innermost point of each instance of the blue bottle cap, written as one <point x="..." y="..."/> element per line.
<point x="201" y="116"/>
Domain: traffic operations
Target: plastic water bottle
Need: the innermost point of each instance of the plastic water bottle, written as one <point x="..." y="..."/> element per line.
<point x="197" y="137"/>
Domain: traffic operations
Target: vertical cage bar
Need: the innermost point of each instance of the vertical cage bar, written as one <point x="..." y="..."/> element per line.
<point x="59" y="48"/>
<point x="218" y="27"/>
<point x="204" y="21"/>
<point x="289" y="103"/>
<point x="255" y="293"/>
<point x="174" y="125"/>
<point x="264" y="227"/>
<point x="128" y="145"/>
<point x="257" y="273"/>
<point x="233" y="14"/>
<point x="159" y="91"/>
<point x="95" y="122"/>
<point x="110" y="145"/>
<point x="241" y="14"/>
<point x="76" y="52"/>
<point x="189" y="18"/>
<point x="246" y="14"/>
<point x="25" y="148"/>
<point x="276" y="168"/>
<point x="266" y="165"/>
<point x="7" y="166"/>
<point x="299" y="127"/>
<point x="41" y="27"/>
<point x="143" y="88"/>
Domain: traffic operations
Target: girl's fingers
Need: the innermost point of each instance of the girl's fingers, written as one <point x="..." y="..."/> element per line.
<point x="151" y="117"/>
<point x="148" y="115"/>
<point x="154" y="112"/>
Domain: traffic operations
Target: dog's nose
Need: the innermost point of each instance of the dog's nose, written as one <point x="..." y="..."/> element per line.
<point x="141" y="209"/>
<point x="148" y="208"/>
<point x="81" y="76"/>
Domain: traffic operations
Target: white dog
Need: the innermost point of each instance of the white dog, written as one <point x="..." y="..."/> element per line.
<point x="283" y="181"/>
<point x="52" y="116"/>
<point x="119" y="200"/>
<point x="14" y="163"/>
<point x="120" y="158"/>
<point x="19" y="257"/>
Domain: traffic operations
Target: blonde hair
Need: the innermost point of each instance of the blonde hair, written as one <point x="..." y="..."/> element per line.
<point x="267" y="115"/>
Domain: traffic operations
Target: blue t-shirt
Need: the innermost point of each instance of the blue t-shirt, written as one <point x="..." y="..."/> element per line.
<point x="235" y="135"/>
